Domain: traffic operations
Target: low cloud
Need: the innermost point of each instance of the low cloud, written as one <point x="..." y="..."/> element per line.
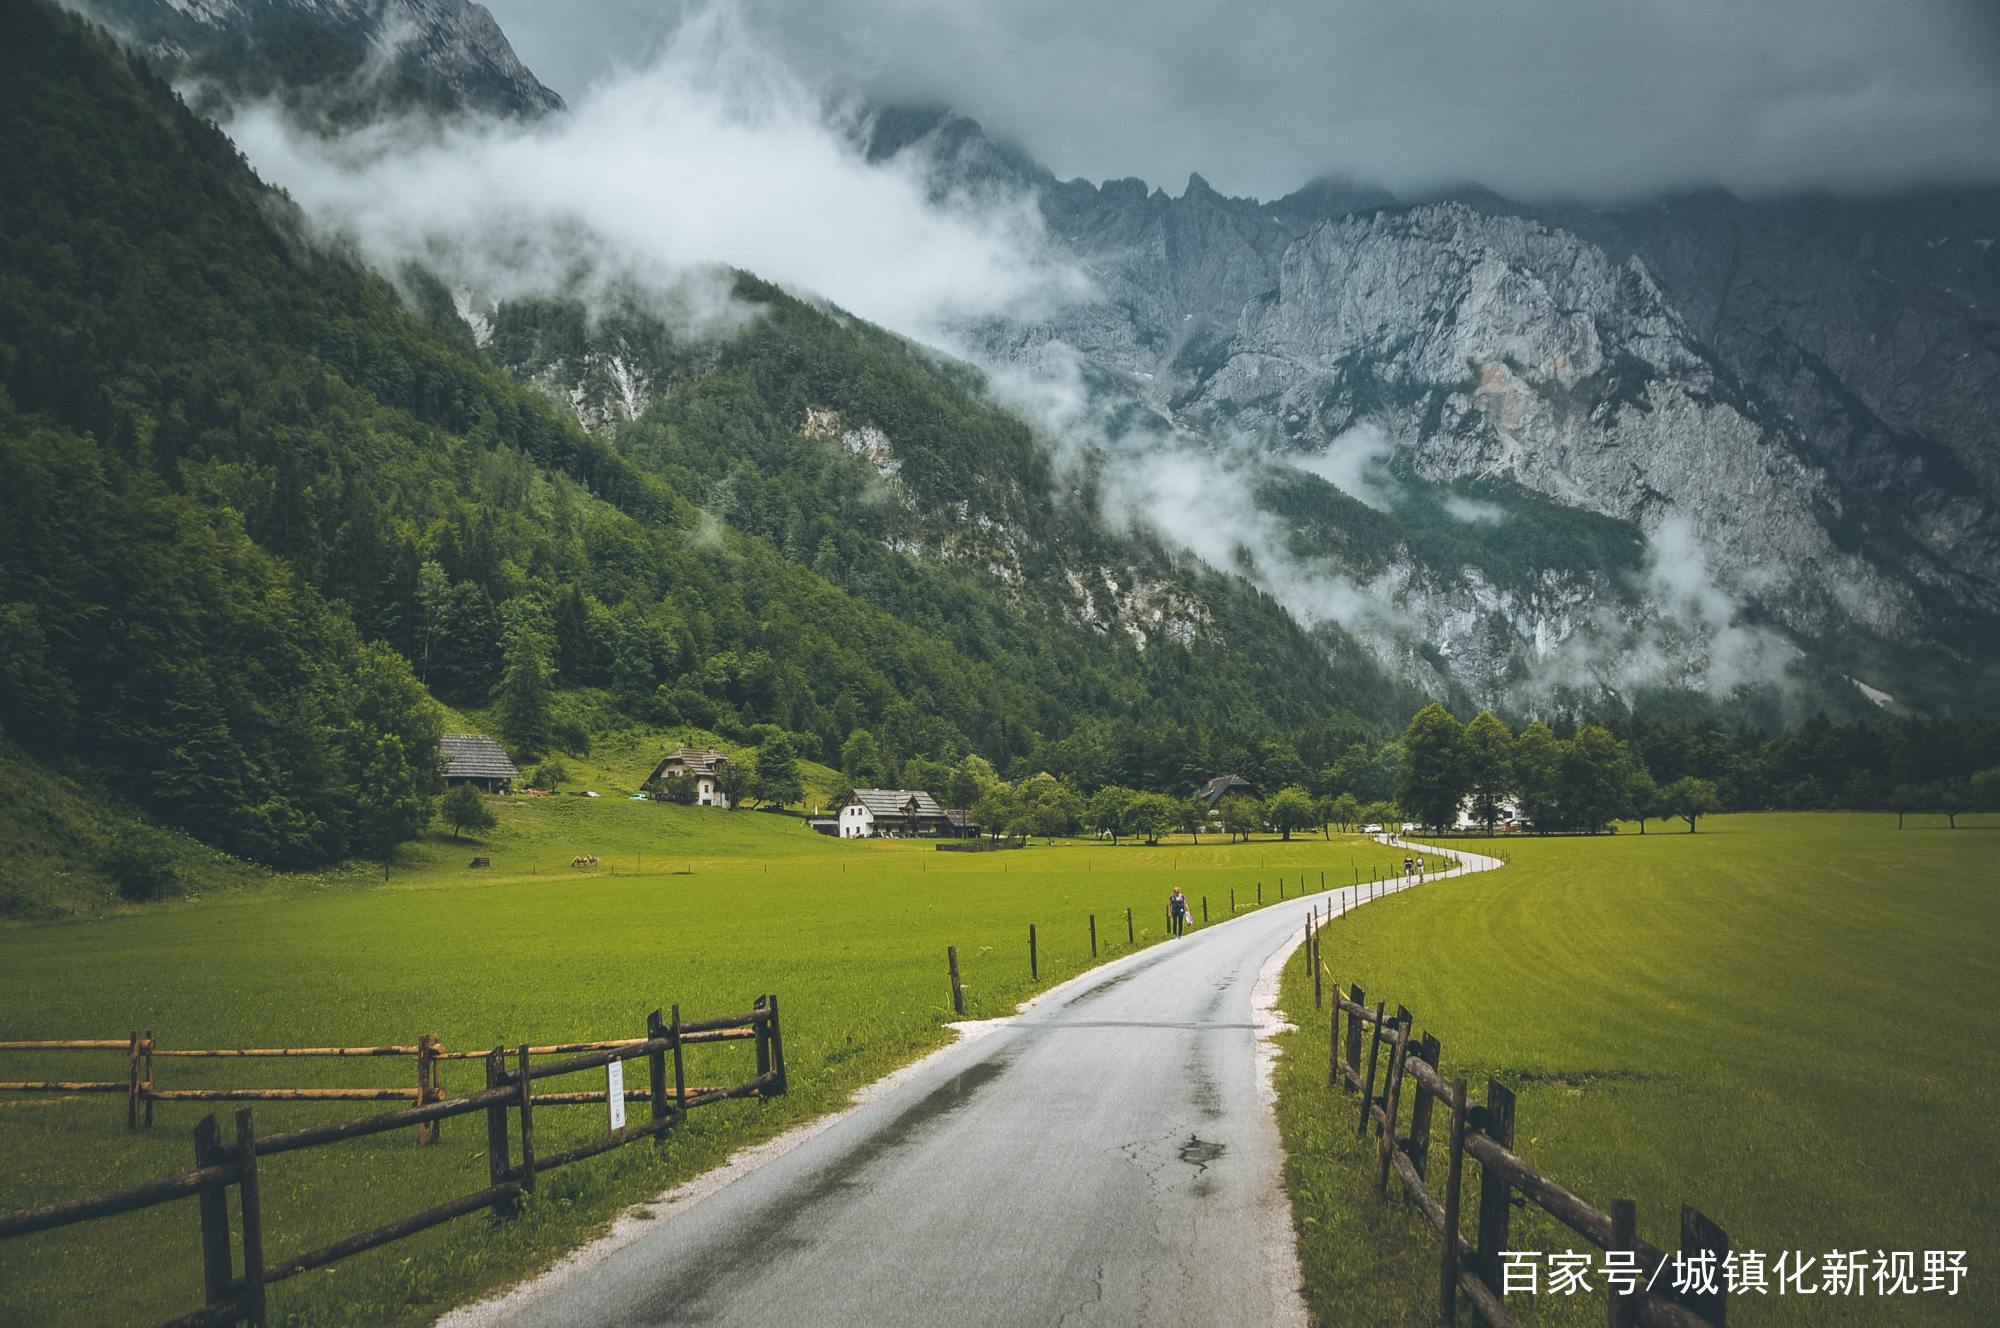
<point x="1357" y="464"/>
<point x="715" y="152"/>
<point x="1472" y="511"/>
<point x="1577" y="98"/>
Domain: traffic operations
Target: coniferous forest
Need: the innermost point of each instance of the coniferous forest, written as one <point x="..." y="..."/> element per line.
<point x="265" y="503"/>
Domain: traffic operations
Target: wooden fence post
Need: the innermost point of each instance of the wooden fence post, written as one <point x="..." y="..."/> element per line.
<point x="1093" y="936"/>
<point x="779" y="1080"/>
<point x="680" y="1070"/>
<point x="1453" y="1183"/>
<point x="497" y="1166"/>
<point x="1260" y="894"/>
<point x="1494" y="1195"/>
<point x="527" y="1126"/>
<point x="1232" y="901"/>
<point x="957" y="992"/>
<point x="1034" y="969"/>
<point x="1623" y="1308"/>
<point x="763" y="1028"/>
<point x="1419" y="1147"/>
<point x="146" y="1083"/>
<point x="132" y="1094"/>
<point x="1353" y="1045"/>
<point x="1333" y="1043"/>
<point x="656" y="1070"/>
<point x="1130" y="938"/>
<point x="1368" y="1088"/>
<point x="253" y="1220"/>
<point x="1392" y="1098"/>
<point x="427" y="1066"/>
<point x="1701" y="1236"/>
<point x="216" y="1274"/>
<point x="1312" y="954"/>
<point x="1204" y="910"/>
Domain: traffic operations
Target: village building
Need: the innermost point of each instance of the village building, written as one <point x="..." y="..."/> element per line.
<point x="480" y="762"/>
<point x="702" y="765"/>
<point x="1507" y="815"/>
<point x="1225" y="786"/>
<point x="902" y="814"/>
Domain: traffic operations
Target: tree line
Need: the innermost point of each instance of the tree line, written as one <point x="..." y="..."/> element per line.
<point x="1139" y="780"/>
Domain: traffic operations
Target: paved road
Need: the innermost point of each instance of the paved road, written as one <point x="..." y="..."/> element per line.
<point x="1105" y="1157"/>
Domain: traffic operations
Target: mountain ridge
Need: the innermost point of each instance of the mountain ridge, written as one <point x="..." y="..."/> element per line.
<point x="1870" y="517"/>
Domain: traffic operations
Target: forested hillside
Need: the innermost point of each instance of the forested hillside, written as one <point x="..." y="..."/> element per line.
<point x="257" y="505"/>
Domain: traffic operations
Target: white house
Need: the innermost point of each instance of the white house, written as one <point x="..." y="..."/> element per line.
<point x="1508" y="813"/>
<point x="703" y="765"/>
<point x="903" y="813"/>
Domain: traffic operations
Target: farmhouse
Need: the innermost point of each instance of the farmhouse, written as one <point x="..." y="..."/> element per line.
<point x="703" y="765"/>
<point x="1225" y="786"/>
<point x="901" y="813"/>
<point x="480" y="762"/>
<point x="1508" y="815"/>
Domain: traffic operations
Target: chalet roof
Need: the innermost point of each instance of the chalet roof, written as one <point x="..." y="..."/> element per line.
<point x="1212" y="792"/>
<point x="468" y="756"/>
<point x="893" y="802"/>
<point x="960" y="817"/>
<point x="692" y="760"/>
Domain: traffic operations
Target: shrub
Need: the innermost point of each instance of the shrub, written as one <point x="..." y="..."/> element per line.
<point x="139" y="866"/>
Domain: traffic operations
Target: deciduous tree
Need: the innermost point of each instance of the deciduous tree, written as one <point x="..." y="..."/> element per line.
<point x="1431" y="783"/>
<point x="1690" y="798"/>
<point x="464" y="809"/>
<point x="1291" y="809"/>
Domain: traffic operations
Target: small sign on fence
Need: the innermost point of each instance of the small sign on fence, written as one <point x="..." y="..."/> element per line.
<point x="614" y="1092"/>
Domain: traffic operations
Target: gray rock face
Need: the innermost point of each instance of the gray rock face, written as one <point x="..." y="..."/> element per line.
<point x="450" y="53"/>
<point x="1785" y="405"/>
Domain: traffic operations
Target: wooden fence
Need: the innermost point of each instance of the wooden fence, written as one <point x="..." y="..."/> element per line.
<point x="141" y="1091"/>
<point x="1485" y="1133"/>
<point x="219" y="1166"/>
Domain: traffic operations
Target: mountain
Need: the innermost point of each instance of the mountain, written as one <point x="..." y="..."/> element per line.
<point x="335" y="62"/>
<point x="1745" y="442"/>
<point x="261" y="501"/>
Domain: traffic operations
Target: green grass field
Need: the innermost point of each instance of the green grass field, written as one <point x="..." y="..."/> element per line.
<point x="699" y="907"/>
<point x="1791" y="1022"/>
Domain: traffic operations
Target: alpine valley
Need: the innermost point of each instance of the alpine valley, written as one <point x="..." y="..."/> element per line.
<point x="1267" y="468"/>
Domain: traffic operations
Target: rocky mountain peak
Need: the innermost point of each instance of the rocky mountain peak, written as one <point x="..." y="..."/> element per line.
<point x="337" y="61"/>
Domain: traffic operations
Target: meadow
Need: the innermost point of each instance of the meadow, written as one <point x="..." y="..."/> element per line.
<point x="1789" y="1021"/>
<point x="698" y="907"/>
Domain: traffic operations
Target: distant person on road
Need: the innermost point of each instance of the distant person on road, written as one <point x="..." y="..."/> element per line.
<point x="1177" y="911"/>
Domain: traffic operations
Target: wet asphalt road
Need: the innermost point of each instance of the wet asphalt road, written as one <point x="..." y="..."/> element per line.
<point x="1105" y="1157"/>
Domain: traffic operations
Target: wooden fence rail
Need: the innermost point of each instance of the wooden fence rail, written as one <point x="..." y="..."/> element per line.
<point x="1485" y="1134"/>
<point x="230" y="1298"/>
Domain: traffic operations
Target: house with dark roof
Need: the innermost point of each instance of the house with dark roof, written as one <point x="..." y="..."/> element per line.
<point x="480" y="762"/>
<point x="1225" y="786"/>
<point x="901" y="813"/>
<point x="703" y="765"/>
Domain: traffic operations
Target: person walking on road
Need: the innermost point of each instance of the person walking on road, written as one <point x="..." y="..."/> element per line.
<point x="1177" y="911"/>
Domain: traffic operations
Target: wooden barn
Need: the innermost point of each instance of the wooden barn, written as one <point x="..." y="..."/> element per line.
<point x="480" y="762"/>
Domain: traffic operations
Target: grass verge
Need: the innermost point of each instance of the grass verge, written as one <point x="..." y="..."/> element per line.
<point x="695" y="906"/>
<point x="1789" y="1021"/>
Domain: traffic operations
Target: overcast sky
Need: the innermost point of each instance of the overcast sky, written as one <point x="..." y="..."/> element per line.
<point x="1592" y="97"/>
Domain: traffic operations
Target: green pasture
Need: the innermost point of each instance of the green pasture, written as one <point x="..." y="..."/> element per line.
<point x="694" y="906"/>
<point x="1791" y="1022"/>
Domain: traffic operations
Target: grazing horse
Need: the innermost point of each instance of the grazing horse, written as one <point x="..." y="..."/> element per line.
<point x="584" y="860"/>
